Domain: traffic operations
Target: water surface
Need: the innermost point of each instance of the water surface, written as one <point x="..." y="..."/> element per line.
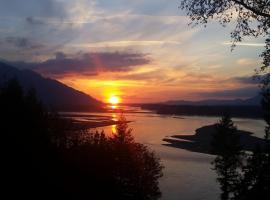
<point x="187" y="175"/>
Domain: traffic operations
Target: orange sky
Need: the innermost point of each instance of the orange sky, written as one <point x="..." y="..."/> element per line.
<point x="143" y="51"/>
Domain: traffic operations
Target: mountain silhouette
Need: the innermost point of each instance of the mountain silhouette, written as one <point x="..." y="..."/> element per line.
<point x="254" y="101"/>
<point x="51" y="92"/>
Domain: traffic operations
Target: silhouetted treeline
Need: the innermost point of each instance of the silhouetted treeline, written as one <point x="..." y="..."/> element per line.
<point x="241" y="175"/>
<point x="235" y="111"/>
<point x="47" y="157"/>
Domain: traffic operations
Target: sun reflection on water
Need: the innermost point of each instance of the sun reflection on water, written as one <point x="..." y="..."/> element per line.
<point x="114" y="129"/>
<point x="115" y="119"/>
<point x="113" y="106"/>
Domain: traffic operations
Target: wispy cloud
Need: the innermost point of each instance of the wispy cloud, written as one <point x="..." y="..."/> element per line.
<point x="244" y="44"/>
<point x="247" y="61"/>
<point x="22" y="43"/>
<point x="125" y="43"/>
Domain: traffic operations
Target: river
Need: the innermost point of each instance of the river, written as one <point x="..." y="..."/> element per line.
<point x="187" y="175"/>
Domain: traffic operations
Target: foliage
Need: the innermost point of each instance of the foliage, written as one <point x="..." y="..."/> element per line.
<point x="48" y="156"/>
<point x="228" y="160"/>
<point x="242" y="175"/>
<point x="256" y="177"/>
<point x="266" y="108"/>
<point x="129" y="169"/>
<point x="252" y="18"/>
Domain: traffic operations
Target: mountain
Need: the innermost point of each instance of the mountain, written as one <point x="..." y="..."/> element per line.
<point x="254" y="101"/>
<point x="51" y="92"/>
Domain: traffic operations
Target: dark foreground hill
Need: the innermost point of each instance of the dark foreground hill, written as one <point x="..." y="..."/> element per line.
<point x="51" y="92"/>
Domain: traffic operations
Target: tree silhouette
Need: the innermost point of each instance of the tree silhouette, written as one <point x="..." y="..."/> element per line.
<point x="242" y="175"/>
<point x="253" y="183"/>
<point x="123" y="133"/>
<point x="48" y="156"/>
<point x="117" y="165"/>
<point x="256" y="173"/>
<point x="266" y="108"/>
<point x="25" y="140"/>
<point x="137" y="169"/>
<point x="226" y="145"/>
<point x="252" y="18"/>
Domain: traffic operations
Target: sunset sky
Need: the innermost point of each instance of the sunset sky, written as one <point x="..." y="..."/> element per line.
<point x="142" y="51"/>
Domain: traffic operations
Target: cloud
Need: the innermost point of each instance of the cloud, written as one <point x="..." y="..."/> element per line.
<point x="86" y="63"/>
<point x="125" y="43"/>
<point x="183" y="60"/>
<point x="22" y="42"/>
<point x="246" y="80"/>
<point x="34" y="21"/>
<point x="246" y="61"/>
<point x="41" y="8"/>
<point x="248" y="44"/>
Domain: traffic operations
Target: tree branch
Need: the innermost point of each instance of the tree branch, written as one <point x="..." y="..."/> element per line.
<point x="263" y="14"/>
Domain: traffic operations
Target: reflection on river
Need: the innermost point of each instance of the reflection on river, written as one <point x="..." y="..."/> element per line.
<point x="187" y="175"/>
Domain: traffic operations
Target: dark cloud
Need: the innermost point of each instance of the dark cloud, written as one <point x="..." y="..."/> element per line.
<point x="247" y="79"/>
<point x="40" y="8"/>
<point x="87" y="63"/>
<point x="22" y="42"/>
<point x="246" y="92"/>
<point x="34" y="21"/>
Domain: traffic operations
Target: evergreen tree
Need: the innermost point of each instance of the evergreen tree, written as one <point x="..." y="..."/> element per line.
<point x="226" y="146"/>
<point x="48" y="156"/>
<point x="256" y="179"/>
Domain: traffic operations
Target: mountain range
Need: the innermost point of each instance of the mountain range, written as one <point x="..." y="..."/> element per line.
<point x="62" y="97"/>
<point x="51" y="92"/>
<point x="254" y="101"/>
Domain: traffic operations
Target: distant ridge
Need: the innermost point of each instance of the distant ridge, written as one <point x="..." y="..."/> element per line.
<point x="51" y="92"/>
<point x="254" y="101"/>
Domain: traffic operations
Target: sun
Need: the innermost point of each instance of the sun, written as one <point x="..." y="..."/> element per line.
<point x="114" y="100"/>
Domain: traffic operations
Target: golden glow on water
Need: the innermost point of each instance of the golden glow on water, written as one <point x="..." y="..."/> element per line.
<point x="113" y="106"/>
<point x="114" y="117"/>
<point x="114" y="129"/>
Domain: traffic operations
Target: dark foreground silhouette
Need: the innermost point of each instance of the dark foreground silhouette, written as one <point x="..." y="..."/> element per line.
<point x="201" y="141"/>
<point x="48" y="157"/>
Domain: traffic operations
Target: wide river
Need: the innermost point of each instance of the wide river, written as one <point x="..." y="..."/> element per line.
<point x="187" y="175"/>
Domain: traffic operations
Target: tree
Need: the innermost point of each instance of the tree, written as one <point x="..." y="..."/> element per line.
<point x="266" y="109"/>
<point x="254" y="183"/>
<point x="226" y="146"/>
<point x="25" y="141"/>
<point x="137" y="168"/>
<point x="256" y="174"/>
<point x="242" y="175"/>
<point x="252" y="18"/>
<point x="46" y="155"/>
<point x="123" y="133"/>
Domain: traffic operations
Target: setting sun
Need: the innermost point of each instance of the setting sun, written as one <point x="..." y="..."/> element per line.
<point x="114" y="100"/>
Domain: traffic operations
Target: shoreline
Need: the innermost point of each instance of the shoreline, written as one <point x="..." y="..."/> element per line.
<point x="200" y="142"/>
